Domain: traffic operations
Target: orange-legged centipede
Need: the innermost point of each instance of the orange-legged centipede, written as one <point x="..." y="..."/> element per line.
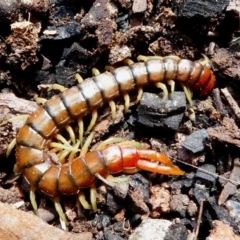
<point x="32" y="143"/>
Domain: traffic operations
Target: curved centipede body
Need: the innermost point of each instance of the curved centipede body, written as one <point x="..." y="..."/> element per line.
<point x="32" y="156"/>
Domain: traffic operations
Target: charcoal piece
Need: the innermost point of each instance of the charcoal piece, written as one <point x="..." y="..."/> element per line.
<point x="196" y="141"/>
<point x="138" y="181"/>
<point x="200" y="193"/>
<point x="221" y="214"/>
<point x="113" y="206"/>
<point x="110" y="236"/>
<point x="176" y="231"/>
<point x="118" y="226"/>
<point x="234" y="208"/>
<point x="202" y="8"/>
<point x="155" y="113"/>
<point x="208" y="178"/>
<point x="69" y="30"/>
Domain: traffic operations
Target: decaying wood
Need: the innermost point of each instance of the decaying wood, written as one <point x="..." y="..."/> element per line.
<point x="16" y="224"/>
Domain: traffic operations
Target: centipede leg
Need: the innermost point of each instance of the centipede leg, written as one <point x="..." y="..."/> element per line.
<point x="87" y="143"/>
<point x="79" y="78"/>
<point x="139" y="95"/>
<point x="71" y="133"/>
<point x="40" y="101"/>
<point x="83" y="201"/>
<point x="80" y="130"/>
<point x="126" y="102"/>
<point x="32" y="197"/>
<point x="10" y="147"/>
<point x="164" y="89"/>
<point x="56" y="86"/>
<point x="93" y="120"/>
<point x="171" y="83"/>
<point x="58" y="207"/>
<point x="188" y="94"/>
<point x="93" y="197"/>
<point x="112" y="105"/>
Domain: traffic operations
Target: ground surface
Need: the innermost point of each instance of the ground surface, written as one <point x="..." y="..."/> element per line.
<point x="49" y="42"/>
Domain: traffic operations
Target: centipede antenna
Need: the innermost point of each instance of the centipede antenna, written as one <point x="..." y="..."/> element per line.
<point x="210" y="173"/>
<point x="71" y="133"/>
<point x="93" y="120"/>
<point x="86" y="145"/>
<point x="83" y="201"/>
<point x="112" y="105"/>
<point x="93" y="197"/>
<point x="58" y="207"/>
<point x="80" y="131"/>
<point x="164" y="88"/>
<point x="10" y="147"/>
<point x="126" y="102"/>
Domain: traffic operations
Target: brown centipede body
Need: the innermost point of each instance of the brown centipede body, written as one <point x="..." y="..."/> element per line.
<point x="34" y="138"/>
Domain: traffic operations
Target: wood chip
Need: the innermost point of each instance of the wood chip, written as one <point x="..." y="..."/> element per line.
<point x="16" y="224"/>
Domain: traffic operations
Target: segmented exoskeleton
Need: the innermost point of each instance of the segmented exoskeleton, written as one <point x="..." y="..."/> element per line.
<point x="32" y="142"/>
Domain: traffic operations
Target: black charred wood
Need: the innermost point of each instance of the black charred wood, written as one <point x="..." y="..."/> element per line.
<point x="206" y="176"/>
<point x="204" y="9"/>
<point x="154" y="113"/>
<point x="196" y="141"/>
<point x="176" y="231"/>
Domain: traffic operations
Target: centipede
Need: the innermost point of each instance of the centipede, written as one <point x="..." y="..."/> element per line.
<point x="34" y="139"/>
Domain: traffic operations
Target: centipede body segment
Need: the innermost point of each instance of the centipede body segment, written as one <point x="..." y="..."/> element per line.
<point x="32" y="155"/>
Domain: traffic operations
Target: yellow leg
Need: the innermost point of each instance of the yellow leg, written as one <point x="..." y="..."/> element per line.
<point x="126" y="102"/>
<point x="72" y="154"/>
<point x="93" y="197"/>
<point x="164" y="88"/>
<point x="171" y="83"/>
<point x="78" y="78"/>
<point x="80" y="131"/>
<point x="113" y="179"/>
<point x="93" y="120"/>
<point x="87" y="143"/>
<point x="60" y="212"/>
<point x="95" y="72"/>
<point x="128" y="61"/>
<point x="112" y="105"/>
<point x="139" y="95"/>
<point x="205" y="61"/>
<point x="109" y="68"/>
<point x="10" y="147"/>
<point x="40" y="101"/>
<point x="83" y="201"/>
<point x="33" y="199"/>
<point x="188" y="94"/>
<point x="22" y="117"/>
<point x="71" y="133"/>
<point x="56" y="86"/>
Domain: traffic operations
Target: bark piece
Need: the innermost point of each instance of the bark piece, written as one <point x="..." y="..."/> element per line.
<point x="15" y="224"/>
